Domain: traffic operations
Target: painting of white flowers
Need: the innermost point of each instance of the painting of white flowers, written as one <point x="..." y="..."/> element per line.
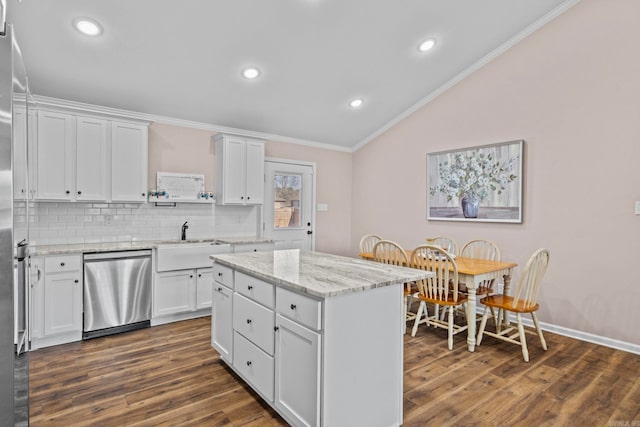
<point x="482" y="184"/>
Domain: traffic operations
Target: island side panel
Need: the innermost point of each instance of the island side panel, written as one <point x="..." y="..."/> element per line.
<point x="363" y="358"/>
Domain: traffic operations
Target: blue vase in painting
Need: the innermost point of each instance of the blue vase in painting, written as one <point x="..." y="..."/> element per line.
<point x="470" y="205"/>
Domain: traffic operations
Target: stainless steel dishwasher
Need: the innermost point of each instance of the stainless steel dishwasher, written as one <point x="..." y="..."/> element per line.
<point x="117" y="292"/>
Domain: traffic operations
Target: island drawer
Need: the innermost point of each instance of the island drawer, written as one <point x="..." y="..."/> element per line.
<point x="63" y="263"/>
<point x="254" y="321"/>
<point x="304" y="310"/>
<point x="223" y="274"/>
<point x="255" y="289"/>
<point x="254" y="365"/>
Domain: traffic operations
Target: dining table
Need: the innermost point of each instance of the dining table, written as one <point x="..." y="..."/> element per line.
<point x="473" y="272"/>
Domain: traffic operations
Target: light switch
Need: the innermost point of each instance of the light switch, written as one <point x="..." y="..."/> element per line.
<point x="637" y="208"/>
<point x="323" y="207"/>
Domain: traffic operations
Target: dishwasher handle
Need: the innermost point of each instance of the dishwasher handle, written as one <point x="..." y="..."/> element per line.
<point x="101" y="256"/>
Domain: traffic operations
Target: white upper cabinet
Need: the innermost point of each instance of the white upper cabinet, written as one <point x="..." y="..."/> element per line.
<point x="56" y="156"/>
<point x="91" y="159"/>
<point x="20" y="154"/>
<point x="129" y="145"/>
<point x="239" y="170"/>
<point x="87" y="158"/>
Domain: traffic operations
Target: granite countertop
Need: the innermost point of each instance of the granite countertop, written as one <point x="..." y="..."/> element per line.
<point x="319" y="274"/>
<point x="135" y="245"/>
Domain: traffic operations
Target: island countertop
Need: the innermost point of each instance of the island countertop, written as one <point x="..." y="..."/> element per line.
<point x="319" y="274"/>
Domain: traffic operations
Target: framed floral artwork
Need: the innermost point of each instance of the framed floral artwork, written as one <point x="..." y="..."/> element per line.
<point x="481" y="184"/>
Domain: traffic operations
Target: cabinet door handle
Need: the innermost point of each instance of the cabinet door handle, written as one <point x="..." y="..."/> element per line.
<point x="219" y="274"/>
<point x="143" y="194"/>
<point x="248" y="321"/>
<point x="62" y="264"/>
<point x="276" y="328"/>
<point x="248" y="197"/>
<point x="199" y="275"/>
<point x="79" y="192"/>
<point x="67" y="192"/>
<point x="191" y="276"/>
<point x="76" y="281"/>
<point x="241" y="197"/>
<point x="293" y="306"/>
<point x="249" y="287"/>
<point x="219" y="289"/>
<point x="248" y="362"/>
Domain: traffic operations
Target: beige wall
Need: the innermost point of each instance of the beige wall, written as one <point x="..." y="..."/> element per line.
<point x="186" y="150"/>
<point x="181" y="150"/>
<point x="572" y="92"/>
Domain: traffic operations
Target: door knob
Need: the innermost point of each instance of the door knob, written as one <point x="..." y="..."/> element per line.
<point x="309" y="232"/>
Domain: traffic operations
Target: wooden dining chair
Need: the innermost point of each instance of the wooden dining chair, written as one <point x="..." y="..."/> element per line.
<point x="440" y="290"/>
<point x="446" y="243"/>
<point x="524" y="300"/>
<point x="389" y="252"/>
<point x="482" y="249"/>
<point x="367" y="242"/>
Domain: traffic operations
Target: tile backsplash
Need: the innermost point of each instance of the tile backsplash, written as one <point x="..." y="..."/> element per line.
<point x="70" y="223"/>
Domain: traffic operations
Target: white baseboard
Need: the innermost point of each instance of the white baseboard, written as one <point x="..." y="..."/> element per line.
<point x="582" y="336"/>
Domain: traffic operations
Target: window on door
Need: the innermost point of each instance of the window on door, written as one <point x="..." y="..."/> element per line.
<point x="287" y="196"/>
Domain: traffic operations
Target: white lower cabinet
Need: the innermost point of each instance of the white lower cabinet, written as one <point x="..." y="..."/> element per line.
<point x="173" y="292"/>
<point x="222" y="321"/>
<point x="56" y="300"/>
<point x="278" y="356"/>
<point x="204" y="283"/>
<point x="297" y="372"/>
<point x="182" y="291"/>
<point x="309" y="358"/>
<point x="182" y="282"/>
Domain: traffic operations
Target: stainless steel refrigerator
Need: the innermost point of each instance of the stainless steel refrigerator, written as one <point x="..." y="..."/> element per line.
<point x="14" y="234"/>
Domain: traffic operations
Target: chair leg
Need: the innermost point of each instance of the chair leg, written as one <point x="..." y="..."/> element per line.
<point x="483" y="323"/>
<point x="450" y="340"/>
<point x="523" y="339"/>
<point x="535" y="322"/>
<point x="423" y="306"/>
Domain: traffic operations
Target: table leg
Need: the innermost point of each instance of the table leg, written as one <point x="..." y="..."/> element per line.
<point x="507" y="282"/>
<point x="471" y="318"/>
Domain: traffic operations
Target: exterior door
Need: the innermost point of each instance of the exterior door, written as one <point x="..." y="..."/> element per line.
<point x="289" y="197"/>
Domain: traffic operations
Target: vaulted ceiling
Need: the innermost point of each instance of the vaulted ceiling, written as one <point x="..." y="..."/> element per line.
<point x="184" y="60"/>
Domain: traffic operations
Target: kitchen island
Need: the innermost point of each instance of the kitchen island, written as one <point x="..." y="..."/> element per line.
<point x="319" y="337"/>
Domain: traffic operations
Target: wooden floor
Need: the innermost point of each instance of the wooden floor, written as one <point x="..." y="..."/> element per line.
<point x="170" y="375"/>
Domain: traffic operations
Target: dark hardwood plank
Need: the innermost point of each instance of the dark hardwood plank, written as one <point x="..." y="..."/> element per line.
<point x="169" y="375"/>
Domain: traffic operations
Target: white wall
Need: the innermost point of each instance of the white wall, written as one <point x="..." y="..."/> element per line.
<point x="572" y="92"/>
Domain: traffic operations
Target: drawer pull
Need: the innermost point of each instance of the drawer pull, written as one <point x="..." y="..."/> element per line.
<point x="219" y="289"/>
<point x="76" y="281"/>
<point x="248" y="321"/>
<point x="62" y="264"/>
<point x="248" y="362"/>
<point x="249" y="287"/>
<point x="276" y="328"/>
<point x="220" y="274"/>
<point x="293" y="306"/>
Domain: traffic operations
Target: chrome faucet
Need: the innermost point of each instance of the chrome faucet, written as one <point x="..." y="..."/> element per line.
<point x="184" y="231"/>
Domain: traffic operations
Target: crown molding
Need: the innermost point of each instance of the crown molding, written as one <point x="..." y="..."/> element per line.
<point x="470" y="70"/>
<point x="81" y="107"/>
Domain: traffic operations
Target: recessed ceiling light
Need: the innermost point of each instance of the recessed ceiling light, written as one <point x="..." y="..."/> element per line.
<point x="356" y="103"/>
<point x="426" y="45"/>
<point x="87" y="26"/>
<point x="250" y="73"/>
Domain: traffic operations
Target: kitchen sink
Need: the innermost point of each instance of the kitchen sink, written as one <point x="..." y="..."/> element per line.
<point x="185" y="254"/>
